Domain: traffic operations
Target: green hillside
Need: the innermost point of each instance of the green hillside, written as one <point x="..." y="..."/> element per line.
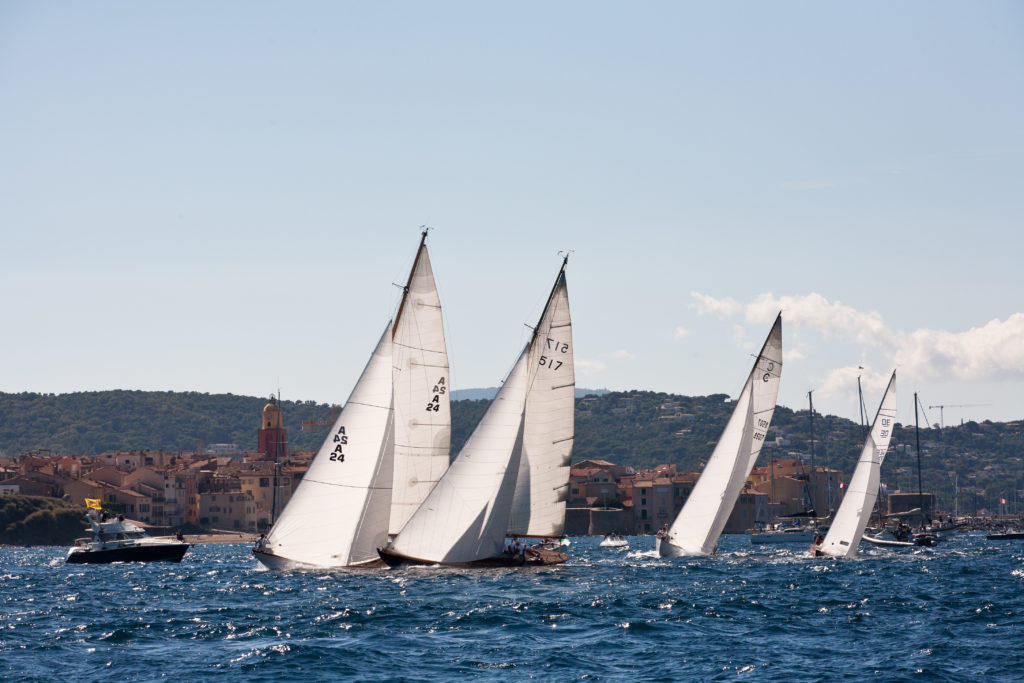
<point x="636" y="428"/>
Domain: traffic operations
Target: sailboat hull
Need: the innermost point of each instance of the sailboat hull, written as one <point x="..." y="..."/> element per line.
<point x="534" y="558"/>
<point x="666" y="549"/>
<point x="283" y="564"/>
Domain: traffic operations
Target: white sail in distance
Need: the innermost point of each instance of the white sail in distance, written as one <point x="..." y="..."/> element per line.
<point x="339" y="512"/>
<point x="421" y="383"/>
<point x="464" y="517"/>
<point x="847" y="528"/>
<point x="538" y="507"/>
<point x="696" y="529"/>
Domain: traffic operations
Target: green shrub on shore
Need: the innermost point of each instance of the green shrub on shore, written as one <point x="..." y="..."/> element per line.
<point x="38" y="520"/>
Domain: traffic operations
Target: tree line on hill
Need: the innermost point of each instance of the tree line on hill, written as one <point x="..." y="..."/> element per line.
<point x="637" y="428"/>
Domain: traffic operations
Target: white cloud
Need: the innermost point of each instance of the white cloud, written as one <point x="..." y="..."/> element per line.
<point x="621" y="354"/>
<point x="723" y="308"/>
<point x="680" y="333"/>
<point x="992" y="352"/>
<point x="832" y="319"/>
<point x="588" y="367"/>
<point x="843" y="381"/>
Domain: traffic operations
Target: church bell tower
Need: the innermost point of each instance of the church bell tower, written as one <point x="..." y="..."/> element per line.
<point x="272" y="438"/>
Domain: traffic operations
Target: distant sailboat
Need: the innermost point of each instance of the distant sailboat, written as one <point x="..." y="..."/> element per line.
<point x="465" y="518"/>
<point x="696" y="529"/>
<point x="848" y="525"/>
<point x="381" y="455"/>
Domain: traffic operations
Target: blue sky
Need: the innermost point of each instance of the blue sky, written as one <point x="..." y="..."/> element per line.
<point x="218" y="196"/>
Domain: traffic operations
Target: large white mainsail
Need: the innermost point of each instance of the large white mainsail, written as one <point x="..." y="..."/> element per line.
<point x="848" y="526"/>
<point x="422" y="412"/>
<point x="538" y="506"/>
<point x="696" y="529"/>
<point x="339" y="512"/>
<point x="464" y="517"/>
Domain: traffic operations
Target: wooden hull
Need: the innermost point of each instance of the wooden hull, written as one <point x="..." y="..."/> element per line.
<point x="168" y="552"/>
<point x="534" y="558"/>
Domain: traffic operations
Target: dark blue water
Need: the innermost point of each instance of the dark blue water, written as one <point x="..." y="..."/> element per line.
<point x="955" y="612"/>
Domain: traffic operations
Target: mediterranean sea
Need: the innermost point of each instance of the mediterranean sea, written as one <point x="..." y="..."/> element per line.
<point x="950" y="613"/>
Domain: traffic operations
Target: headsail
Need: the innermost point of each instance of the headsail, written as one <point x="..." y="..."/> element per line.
<point x="464" y="517"/>
<point x="338" y="515"/>
<point x="538" y="507"/>
<point x="422" y="412"/>
<point x="848" y="526"/>
<point x="707" y="509"/>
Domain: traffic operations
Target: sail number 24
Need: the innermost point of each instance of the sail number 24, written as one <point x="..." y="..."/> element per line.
<point x="340" y="439"/>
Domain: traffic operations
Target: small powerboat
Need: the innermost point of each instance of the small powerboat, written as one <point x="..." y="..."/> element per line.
<point x="120" y="540"/>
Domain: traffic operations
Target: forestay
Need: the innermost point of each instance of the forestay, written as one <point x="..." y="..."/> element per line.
<point x="538" y="507"/>
<point x="421" y="385"/>
<point x="852" y="517"/>
<point x="465" y="516"/>
<point x="703" y="517"/>
<point x="339" y="512"/>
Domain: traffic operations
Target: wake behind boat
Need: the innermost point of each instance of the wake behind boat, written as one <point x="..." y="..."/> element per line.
<point x="614" y="541"/>
<point x="120" y="540"/>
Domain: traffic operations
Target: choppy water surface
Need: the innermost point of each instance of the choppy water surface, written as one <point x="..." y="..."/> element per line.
<point x="955" y="612"/>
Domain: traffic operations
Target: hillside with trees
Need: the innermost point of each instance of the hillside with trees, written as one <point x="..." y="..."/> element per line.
<point x="637" y="428"/>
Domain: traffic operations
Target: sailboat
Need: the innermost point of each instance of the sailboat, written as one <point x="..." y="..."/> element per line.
<point x="387" y="448"/>
<point x="848" y="525"/>
<point x="696" y="529"/>
<point x="512" y="473"/>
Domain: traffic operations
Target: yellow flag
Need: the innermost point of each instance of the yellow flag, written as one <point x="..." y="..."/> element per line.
<point x="93" y="503"/>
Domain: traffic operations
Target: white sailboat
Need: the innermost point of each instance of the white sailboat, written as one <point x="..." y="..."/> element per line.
<point x="380" y="456"/>
<point x="465" y="518"/>
<point x="538" y="504"/>
<point x="696" y="529"/>
<point x="848" y="525"/>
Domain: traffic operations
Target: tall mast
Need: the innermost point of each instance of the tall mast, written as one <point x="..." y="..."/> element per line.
<point x="408" y="281"/>
<point x="810" y="402"/>
<point x="860" y="401"/>
<point x="828" y="474"/>
<point x="551" y="294"/>
<point x="917" y="438"/>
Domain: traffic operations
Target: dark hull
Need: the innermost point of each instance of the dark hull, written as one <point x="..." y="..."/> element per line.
<point x="534" y="558"/>
<point x="1015" y="536"/>
<point x="171" y="552"/>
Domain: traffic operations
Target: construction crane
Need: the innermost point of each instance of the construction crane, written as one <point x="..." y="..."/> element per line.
<point x="306" y="426"/>
<point x="955" y="405"/>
